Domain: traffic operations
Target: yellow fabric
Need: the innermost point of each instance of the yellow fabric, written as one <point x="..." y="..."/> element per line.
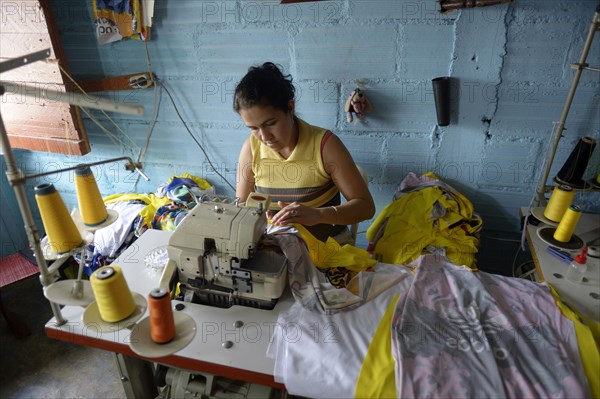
<point x="408" y="228"/>
<point x="588" y="339"/>
<point x="301" y="177"/>
<point x="152" y="203"/>
<point x="330" y="254"/>
<point x="377" y="377"/>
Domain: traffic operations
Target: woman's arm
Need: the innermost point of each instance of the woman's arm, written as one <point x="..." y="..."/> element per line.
<point x="245" y="176"/>
<point x="359" y="206"/>
<point x="339" y="164"/>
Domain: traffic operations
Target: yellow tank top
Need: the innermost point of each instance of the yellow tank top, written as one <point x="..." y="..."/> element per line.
<point x="301" y="177"/>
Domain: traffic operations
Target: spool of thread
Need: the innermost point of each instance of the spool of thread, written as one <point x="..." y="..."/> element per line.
<point x="115" y="301"/>
<point x="598" y="178"/>
<point x="92" y="208"/>
<point x="162" y="324"/>
<point x="560" y="200"/>
<point x="567" y="225"/>
<point x="574" y="168"/>
<point x="62" y="233"/>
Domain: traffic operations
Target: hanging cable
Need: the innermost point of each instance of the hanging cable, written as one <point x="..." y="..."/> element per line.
<point x="148" y="62"/>
<point x="142" y="153"/>
<point x="116" y="141"/>
<point x="192" y="135"/>
<point x="104" y="113"/>
<point x="150" y="128"/>
<point x="143" y="150"/>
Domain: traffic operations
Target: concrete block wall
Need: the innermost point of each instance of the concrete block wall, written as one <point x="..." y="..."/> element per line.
<point x="510" y="65"/>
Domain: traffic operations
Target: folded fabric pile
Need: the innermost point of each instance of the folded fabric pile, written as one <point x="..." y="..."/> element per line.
<point x="184" y="192"/>
<point x="321" y="356"/>
<point x="445" y="331"/>
<point x="426" y="216"/>
<point x="161" y="210"/>
<point x="459" y="333"/>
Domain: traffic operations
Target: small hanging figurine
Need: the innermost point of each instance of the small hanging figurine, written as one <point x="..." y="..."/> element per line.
<point x="358" y="104"/>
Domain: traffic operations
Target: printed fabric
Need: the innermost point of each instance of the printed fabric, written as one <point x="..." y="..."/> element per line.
<point x="185" y="188"/>
<point x="459" y="333"/>
<point x="168" y="216"/>
<point x="340" y="264"/>
<point x="320" y="356"/>
<point x="311" y="287"/>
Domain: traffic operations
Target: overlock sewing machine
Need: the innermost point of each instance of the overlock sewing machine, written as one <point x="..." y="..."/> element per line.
<point x="220" y="257"/>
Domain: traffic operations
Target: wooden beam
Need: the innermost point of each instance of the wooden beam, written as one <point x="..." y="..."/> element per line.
<point x="109" y="84"/>
<point x="57" y="146"/>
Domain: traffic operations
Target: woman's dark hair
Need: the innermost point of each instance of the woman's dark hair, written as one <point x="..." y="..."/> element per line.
<point x="264" y="85"/>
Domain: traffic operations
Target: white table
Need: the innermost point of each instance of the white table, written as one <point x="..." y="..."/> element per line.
<point x="246" y="360"/>
<point x="585" y="297"/>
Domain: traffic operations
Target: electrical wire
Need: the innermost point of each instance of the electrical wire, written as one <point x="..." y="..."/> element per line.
<point x="113" y="137"/>
<point x="515" y="261"/>
<point x="142" y="153"/>
<point x="109" y="134"/>
<point x="192" y="135"/>
<point x="514" y="268"/>
<point x="143" y="150"/>
<point x="150" y="128"/>
<point x="500" y="239"/>
<point x="148" y="62"/>
<point x="530" y="274"/>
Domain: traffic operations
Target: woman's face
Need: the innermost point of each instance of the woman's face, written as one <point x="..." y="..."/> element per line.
<point x="273" y="127"/>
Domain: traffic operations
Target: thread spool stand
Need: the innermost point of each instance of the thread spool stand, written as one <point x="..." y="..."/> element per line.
<point x="143" y="345"/>
<point x="91" y="315"/>
<point x="546" y="234"/>
<point x="17" y="178"/>
<point x="543" y="187"/>
<point x="74" y="292"/>
<point x="538" y="213"/>
<point x="69" y="292"/>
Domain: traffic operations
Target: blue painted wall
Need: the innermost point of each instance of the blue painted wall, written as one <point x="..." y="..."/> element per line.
<point x="510" y="64"/>
<point x="12" y="231"/>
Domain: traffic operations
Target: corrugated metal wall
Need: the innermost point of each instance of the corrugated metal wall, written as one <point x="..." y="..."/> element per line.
<point x="510" y="62"/>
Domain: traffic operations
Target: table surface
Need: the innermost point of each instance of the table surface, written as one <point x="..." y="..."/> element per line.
<point x="245" y="360"/>
<point x="585" y="297"/>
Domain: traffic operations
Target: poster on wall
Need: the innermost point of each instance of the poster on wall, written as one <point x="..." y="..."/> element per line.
<point x="122" y="19"/>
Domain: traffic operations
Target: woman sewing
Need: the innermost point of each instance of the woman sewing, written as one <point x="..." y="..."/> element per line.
<point x="303" y="168"/>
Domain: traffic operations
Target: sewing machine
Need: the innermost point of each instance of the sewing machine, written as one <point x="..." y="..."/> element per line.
<point x="221" y="258"/>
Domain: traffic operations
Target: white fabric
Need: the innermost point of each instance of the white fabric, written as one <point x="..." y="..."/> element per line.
<point x="109" y="239"/>
<point x="327" y="350"/>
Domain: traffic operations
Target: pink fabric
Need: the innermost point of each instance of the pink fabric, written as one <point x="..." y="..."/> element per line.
<point x="459" y="333"/>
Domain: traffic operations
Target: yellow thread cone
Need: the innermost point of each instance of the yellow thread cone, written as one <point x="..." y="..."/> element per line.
<point x="62" y="233"/>
<point x="115" y="301"/>
<point x="561" y="198"/>
<point x="92" y="208"/>
<point x="567" y="225"/>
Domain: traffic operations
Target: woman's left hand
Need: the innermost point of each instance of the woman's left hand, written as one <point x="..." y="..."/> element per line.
<point x="294" y="213"/>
